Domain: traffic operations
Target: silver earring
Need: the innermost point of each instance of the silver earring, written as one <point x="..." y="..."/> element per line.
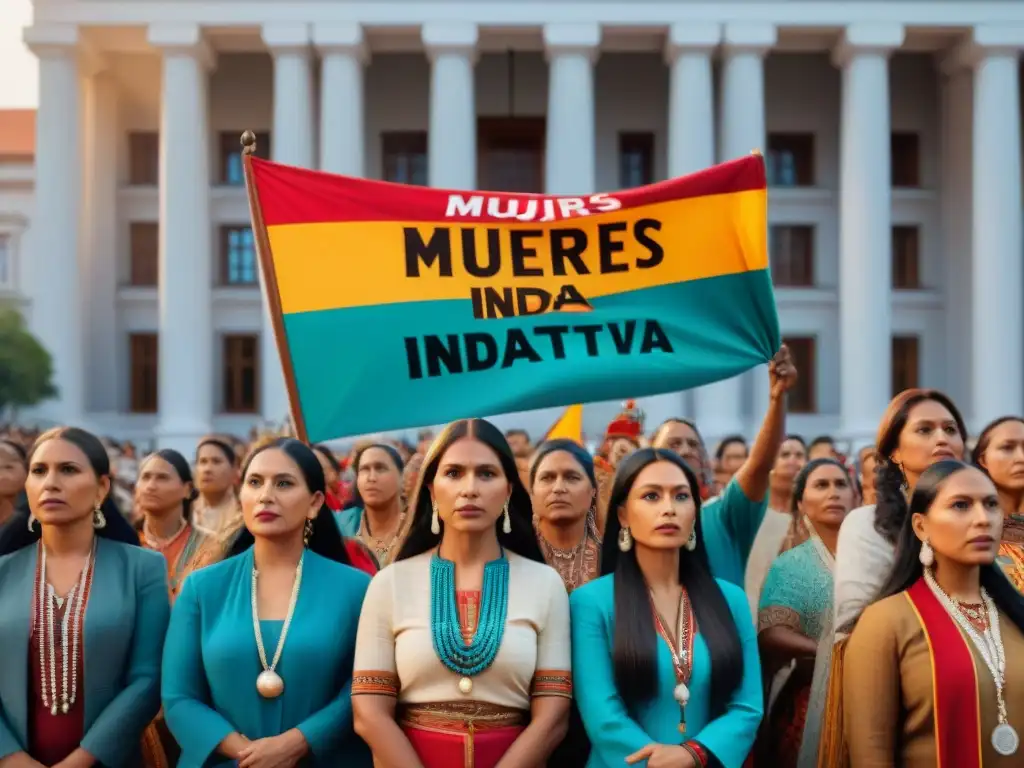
<point x="32" y="522"/>
<point x="99" y="520"/>
<point x="691" y="543"/>
<point x="435" y="523"/>
<point x="506" y="526"/>
<point x="927" y="556"/>
<point x="625" y="540"/>
<point x="307" y="532"/>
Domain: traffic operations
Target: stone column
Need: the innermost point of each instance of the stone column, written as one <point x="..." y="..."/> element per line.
<point x="343" y="58"/>
<point x="451" y="139"/>
<point x="997" y="314"/>
<point x="103" y="392"/>
<point x="186" y="378"/>
<point x="691" y="145"/>
<point x="743" y="130"/>
<point x="56" y="277"/>
<point x="865" y="226"/>
<point x="292" y="143"/>
<point x="570" y="154"/>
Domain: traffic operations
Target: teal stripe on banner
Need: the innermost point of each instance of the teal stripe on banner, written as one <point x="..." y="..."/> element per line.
<point x="353" y="372"/>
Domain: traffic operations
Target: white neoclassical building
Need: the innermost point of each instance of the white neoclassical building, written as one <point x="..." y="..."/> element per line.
<point x="892" y="133"/>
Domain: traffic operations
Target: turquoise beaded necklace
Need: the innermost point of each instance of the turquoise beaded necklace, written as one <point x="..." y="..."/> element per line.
<point x="451" y="649"/>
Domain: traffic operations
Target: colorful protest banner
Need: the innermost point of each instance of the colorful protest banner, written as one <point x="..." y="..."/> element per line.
<point x="397" y="306"/>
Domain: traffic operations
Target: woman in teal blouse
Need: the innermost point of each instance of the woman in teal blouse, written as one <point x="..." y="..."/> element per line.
<point x="666" y="659"/>
<point x="257" y="670"/>
<point x="83" y="615"/>
<point x="729" y="523"/>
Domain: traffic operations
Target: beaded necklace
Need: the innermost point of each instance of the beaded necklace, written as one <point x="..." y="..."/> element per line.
<point x="467" y="659"/>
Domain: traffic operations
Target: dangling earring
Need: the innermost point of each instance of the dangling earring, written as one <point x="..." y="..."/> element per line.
<point x="927" y="556"/>
<point x="32" y="522"/>
<point x="506" y="526"/>
<point x="99" y="520"/>
<point x="625" y="540"/>
<point x="307" y="532"/>
<point x="435" y="523"/>
<point x="691" y="543"/>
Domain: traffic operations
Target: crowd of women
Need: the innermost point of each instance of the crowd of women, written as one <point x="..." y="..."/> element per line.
<point x="476" y="601"/>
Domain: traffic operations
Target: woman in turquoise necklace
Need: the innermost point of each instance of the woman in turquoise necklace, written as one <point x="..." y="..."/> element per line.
<point x="470" y="582"/>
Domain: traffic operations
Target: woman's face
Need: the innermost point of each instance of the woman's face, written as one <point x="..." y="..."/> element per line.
<point x="828" y="497"/>
<point x="276" y="502"/>
<point x="733" y="456"/>
<point x="620" y="448"/>
<point x="965" y="522"/>
<point x="867" y="477"/>
<point x="214" y="473"/>
<point x="62" y="487"/>
<point x="159" y="489"/>
<point x="378" y="478"/>
<point x="12" y="472"/>
<point x="930" y="435"/>
<point x="330" y="473"/>
<point x="682" y="440"/>
<point x="411" y="474"/>
<point x="790" y="460"/>
<point x="470" y="488"/>
<point x="1004" y="456"/>
<point x="660" y="511"/>
<point x="562" y="493"/>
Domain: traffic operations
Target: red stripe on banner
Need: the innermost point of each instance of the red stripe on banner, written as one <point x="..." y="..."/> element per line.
<point x="954" y="682"/>
<point x="289" y="195"/>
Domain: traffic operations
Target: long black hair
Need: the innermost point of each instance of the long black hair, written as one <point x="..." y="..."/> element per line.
<point x="184" y="472"/>
<point x="907" y="568"/>
<point x="890" y="482"/>
<point x="325" y="539"/>
<point x="574" y="449"/>
<point x="521" y="540"/>
<point x="396" y="459"/>
<point x="635" y="644"/>
<point x="16" y="534"/>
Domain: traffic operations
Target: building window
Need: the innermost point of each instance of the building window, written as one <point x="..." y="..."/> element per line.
<point x="405" y="157"/>
<point x="791" y="252"/>
<point x="144" y="246"/>
<point x="510" y="154"/>
<point x="229" y="163"/>
<point x="237" y="256"/>
<point x="906" y="363"/>
<point x="803" y="398"/>
<point x="143" y="158"/>
<point x="790" y="161"/>
<point x="241" y="373"/>
<point x="636" y="160"/>
<point x="143" y="360"/>
<point x="905" y="156"/>
<point x="906" y="257"/>
<point x="6" y="261"/>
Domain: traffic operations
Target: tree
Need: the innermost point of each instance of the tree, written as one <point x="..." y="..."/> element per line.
<point x="26" y="368"/>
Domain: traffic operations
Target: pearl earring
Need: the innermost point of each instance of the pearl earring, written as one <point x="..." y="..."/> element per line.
<point x="927" y="556"/>
<point x="435" y="523"/>
<point x="506" y="526"/>
<point x="625" y="540"/>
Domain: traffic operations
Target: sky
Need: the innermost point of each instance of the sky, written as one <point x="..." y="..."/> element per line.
<point x="19" y="73"/>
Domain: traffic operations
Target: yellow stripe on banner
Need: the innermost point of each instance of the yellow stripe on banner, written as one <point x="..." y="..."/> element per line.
<point x="350" y="264"/>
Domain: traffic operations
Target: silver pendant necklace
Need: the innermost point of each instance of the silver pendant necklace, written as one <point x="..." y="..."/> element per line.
<point x="1005" y="739"/>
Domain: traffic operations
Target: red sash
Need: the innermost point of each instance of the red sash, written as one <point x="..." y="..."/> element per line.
<point x="954" y="682"/>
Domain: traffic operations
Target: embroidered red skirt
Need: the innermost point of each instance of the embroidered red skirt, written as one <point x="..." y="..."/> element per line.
<point x="461" y="734"/>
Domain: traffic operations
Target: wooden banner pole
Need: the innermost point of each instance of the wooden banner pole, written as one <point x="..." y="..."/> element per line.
<point x="270" y="289"/>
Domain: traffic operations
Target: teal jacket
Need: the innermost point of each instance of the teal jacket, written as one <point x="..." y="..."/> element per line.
<point x="616" y="732"/>
<point x="730" y="523"/>
<point x="125" y="626"/>
<point x="349" y="520"/>
<point x="211" y="663"/>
